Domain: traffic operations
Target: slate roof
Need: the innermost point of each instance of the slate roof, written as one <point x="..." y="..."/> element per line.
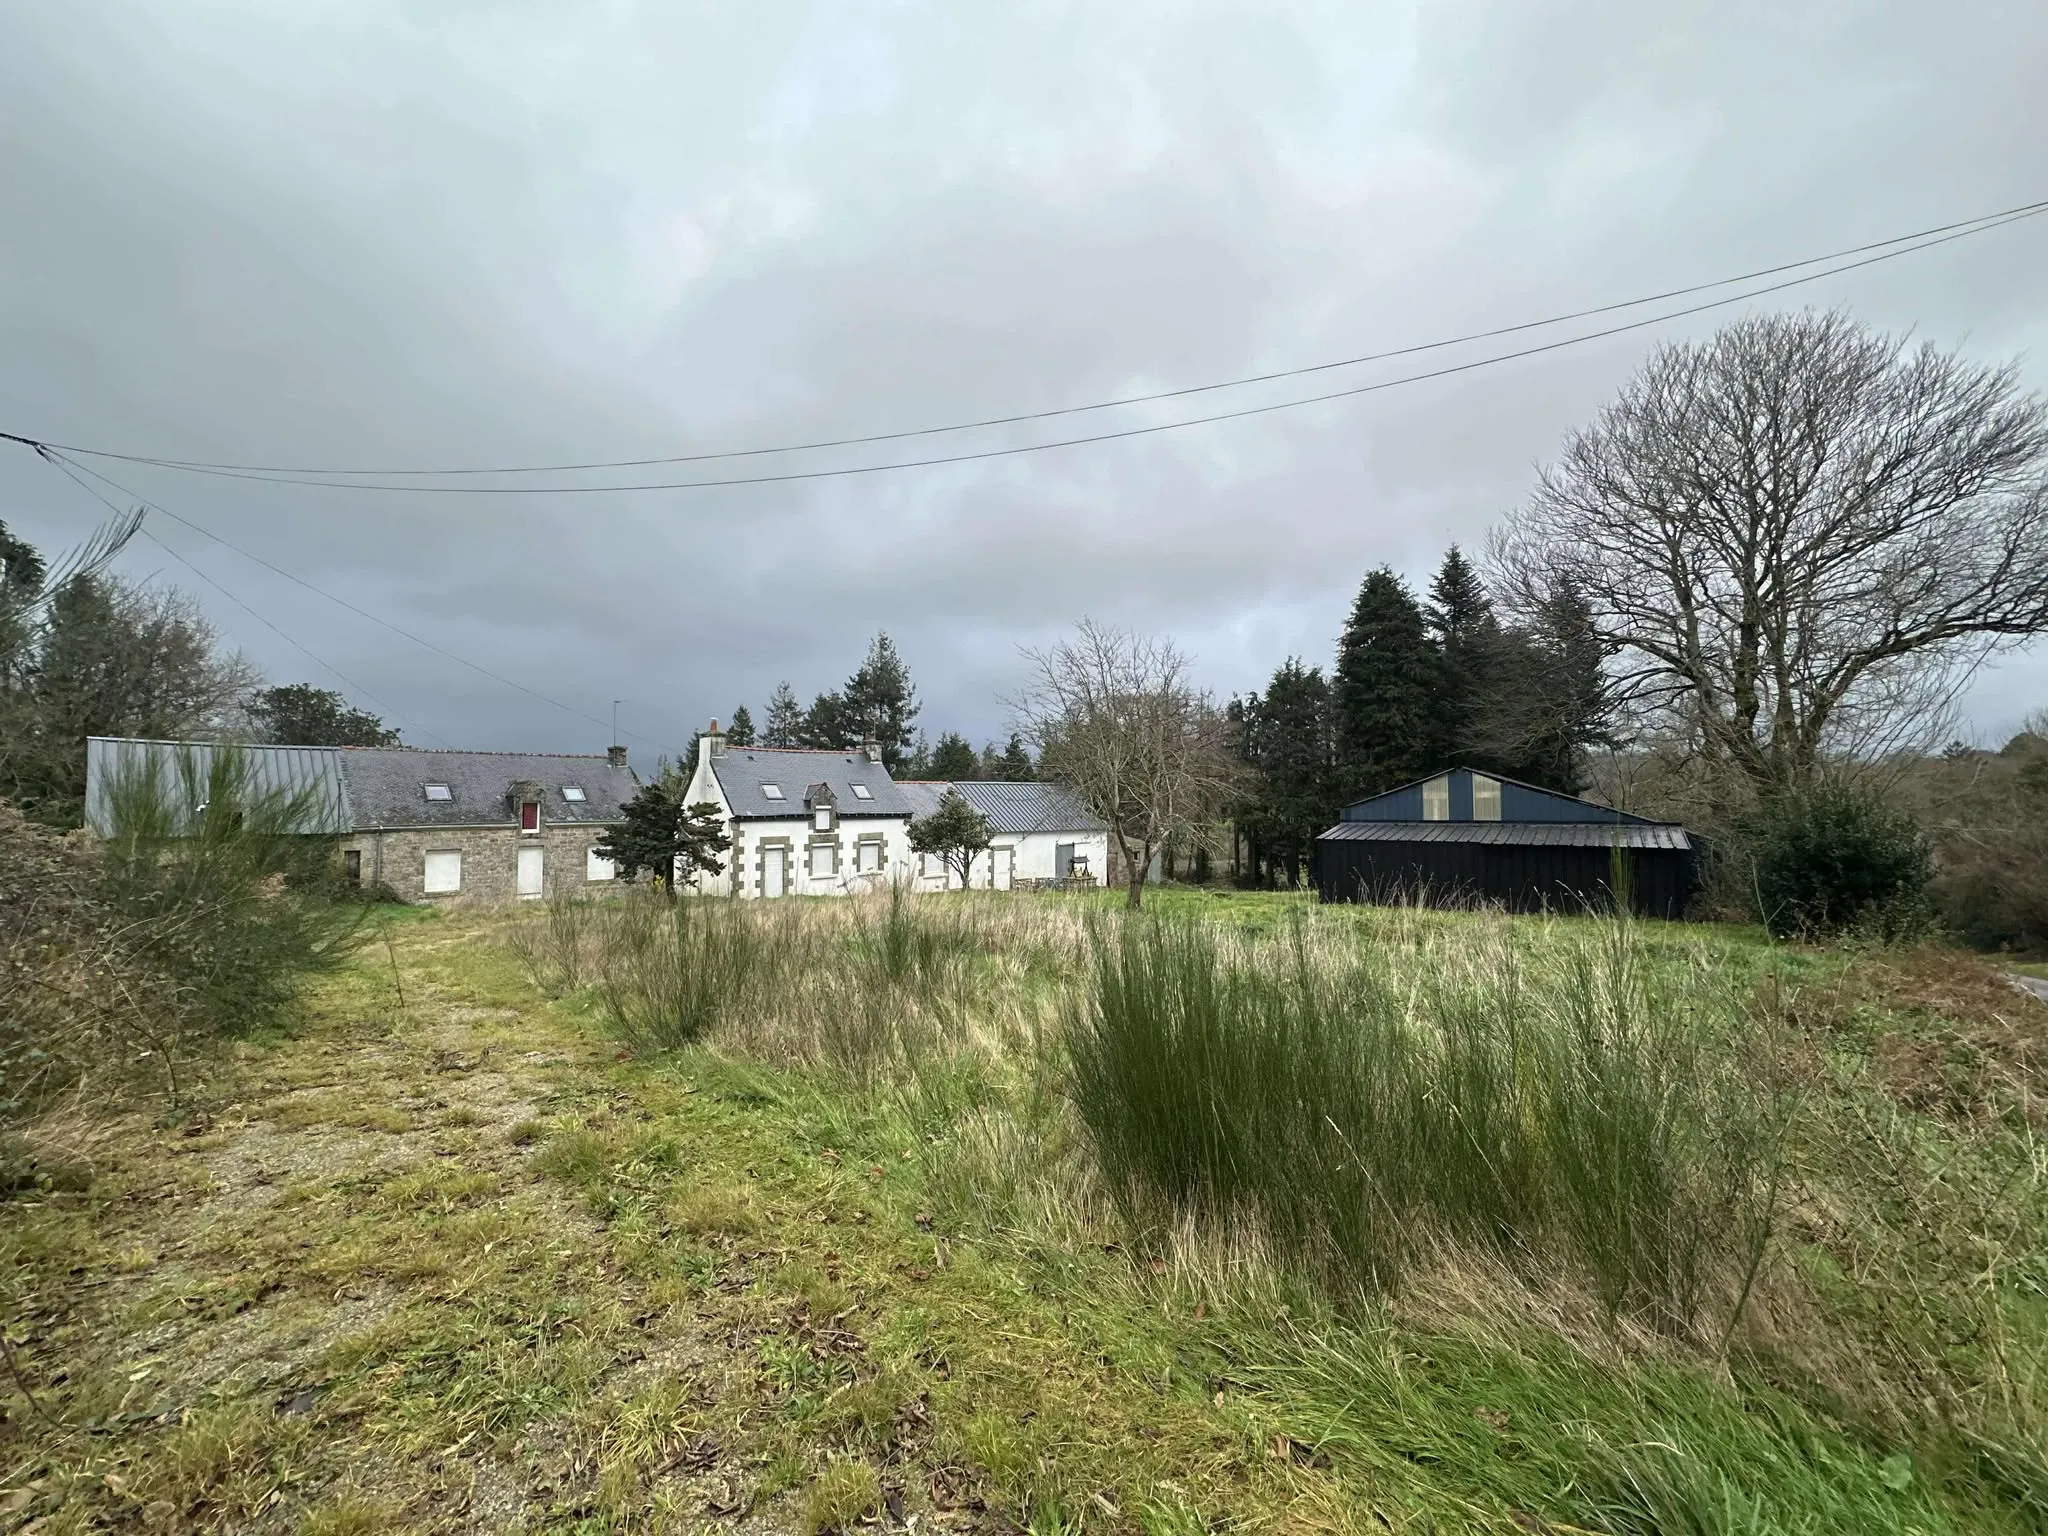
<point x="314" y="771"/>
<point x="1517" y="834"/>
<point x="387" y="787"/>
<point x="362" y="788"/>
<point x="743" y="770"/>
<point x="1027" y="807"/>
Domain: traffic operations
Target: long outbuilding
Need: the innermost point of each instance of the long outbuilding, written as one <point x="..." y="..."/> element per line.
<point x="1464" y="838"/>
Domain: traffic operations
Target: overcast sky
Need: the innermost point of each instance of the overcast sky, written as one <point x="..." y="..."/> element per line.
<point x="370" y="233"/>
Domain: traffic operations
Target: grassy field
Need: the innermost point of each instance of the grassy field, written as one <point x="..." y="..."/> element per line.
<point x="451" y="1257"/>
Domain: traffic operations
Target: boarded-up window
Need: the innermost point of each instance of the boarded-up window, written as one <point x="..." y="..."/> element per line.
<point x="443" y="872"/>
<point x="824" y="861"/>
<point x="1485" y="798"/>
<point x="868" y="858"/>
<point x="597" y="867"/>
<point x="1436" y="799"/>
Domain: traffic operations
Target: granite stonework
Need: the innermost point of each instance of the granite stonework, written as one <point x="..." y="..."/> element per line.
<point x="490" y="860"/>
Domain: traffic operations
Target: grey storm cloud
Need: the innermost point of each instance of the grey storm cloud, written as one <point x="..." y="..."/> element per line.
<point x="410" y="234"/>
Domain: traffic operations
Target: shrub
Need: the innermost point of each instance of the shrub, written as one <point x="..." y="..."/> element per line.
<point x="1834" y="860"/>
<point x="221" y="886"/>
<point x="669" y="971"/>
<point x="1354" y="1107"/>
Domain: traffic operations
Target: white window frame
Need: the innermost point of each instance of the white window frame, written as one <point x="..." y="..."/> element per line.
<point x="1485" y="797"/>
<point x="864" y="850"/>
<point x="821" y="819"/>
<point x="597" y="867"/>
<point x="830" y="851"/>
<point x="427" y="884"/>
<point x="1436" y="798"/>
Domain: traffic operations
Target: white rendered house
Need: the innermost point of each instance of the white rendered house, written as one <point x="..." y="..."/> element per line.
<point x="802" y="823"/>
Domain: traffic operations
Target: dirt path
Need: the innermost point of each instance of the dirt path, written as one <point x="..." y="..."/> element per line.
<point x="348" y="1299"/>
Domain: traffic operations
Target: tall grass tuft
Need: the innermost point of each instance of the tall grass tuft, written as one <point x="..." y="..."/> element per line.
<point x="556" y="949"/>
<point x="670" y="971"/>
<point x="1358" y="1106"/>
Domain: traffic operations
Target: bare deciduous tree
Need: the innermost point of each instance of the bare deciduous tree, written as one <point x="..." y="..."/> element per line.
<point x="1117" y="719"/>
<point x="1798" y="537"/>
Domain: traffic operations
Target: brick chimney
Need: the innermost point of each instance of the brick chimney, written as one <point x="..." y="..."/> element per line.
<point x="616" y="756"/>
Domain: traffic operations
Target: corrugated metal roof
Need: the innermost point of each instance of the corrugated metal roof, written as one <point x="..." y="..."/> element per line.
<point x="743" y="770"/>
<point x="387" y="787"/>
<point x="1520" y="834"/>
<point x="1027" y="806"/>
<point x="271" y="770"/>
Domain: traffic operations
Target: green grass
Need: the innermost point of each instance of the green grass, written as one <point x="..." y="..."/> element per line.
<point x="497" y="1273"/>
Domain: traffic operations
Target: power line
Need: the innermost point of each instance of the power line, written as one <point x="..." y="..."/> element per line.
<point x="1956" y="230"/>
<point x="357" y="688"/>
<point x="59" y="458"/>
<point x="1099" y="437"/>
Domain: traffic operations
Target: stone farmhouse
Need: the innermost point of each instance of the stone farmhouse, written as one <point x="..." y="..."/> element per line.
<point x="427" y="825"/>
<point x="813" y="823"/>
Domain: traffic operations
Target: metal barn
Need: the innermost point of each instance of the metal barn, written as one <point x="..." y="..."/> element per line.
<point x="1464" y="838"/>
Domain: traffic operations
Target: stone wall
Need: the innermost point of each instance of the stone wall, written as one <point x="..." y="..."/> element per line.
<point x="490" y="869"/>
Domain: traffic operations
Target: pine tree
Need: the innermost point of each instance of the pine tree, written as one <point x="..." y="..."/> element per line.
<point x="661" y="837"/>
<point x="740" y="733"/>
<point x="827" y="725"/>
<point x="1467" y="635"/>
<point x="1286" y="739"/>
<point x="1388" y="728"/>
<point x="1014" y="763"/>
<point x="880" y="702"/>
<point x="785" y="723"/>
<point x="1548" y="699"/>
<point x="953" y="759"/>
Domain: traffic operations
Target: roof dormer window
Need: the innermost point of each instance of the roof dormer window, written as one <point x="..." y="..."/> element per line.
<point x="574" y="792"/>
<point x="438" y="792"/>
<point x="771" y="791"/>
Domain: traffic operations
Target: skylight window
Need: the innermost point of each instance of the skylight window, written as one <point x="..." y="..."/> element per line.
<point x="573" y="792"/>
<point x="861" y="792"/>
<point x="438" y="792"/>
<point x="772" y="791"/>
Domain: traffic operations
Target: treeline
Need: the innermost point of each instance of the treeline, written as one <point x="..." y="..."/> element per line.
<point x="84" y="653"/>
<point x="1417" y="686"/>
<point x="878" y="703"/>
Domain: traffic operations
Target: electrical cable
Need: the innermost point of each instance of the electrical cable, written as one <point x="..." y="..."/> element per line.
<point x="363" y="694"/>
<point x="54" y="456"/>
<point x="1072" y="442"/>
<point x="1955" y="230"/>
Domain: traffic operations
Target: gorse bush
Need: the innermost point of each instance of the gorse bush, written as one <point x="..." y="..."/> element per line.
<point x="224" y="885"/>
<point x="669" y="971"/>
<point x="557" y="951"/>
<point x="1833" y="860"/>
<point x="1355" y="1108"/>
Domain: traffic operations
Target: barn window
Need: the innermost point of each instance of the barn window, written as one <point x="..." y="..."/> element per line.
<point x="1485" y="798"/>
<point x="1436" y="799"/>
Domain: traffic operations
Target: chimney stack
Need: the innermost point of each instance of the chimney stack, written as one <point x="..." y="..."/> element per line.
<point x="616" y="756"/>
<point x="871" y="749"/>
<point x="711" y="744"/>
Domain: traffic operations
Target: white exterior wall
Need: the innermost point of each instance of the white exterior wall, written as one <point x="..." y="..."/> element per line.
<point x="795" y="833"/>
<point x="1016" y="857"/>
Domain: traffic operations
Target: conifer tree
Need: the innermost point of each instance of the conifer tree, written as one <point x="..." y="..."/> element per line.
<point x="1285" y="737"/>
<point x="880" y="704"/>
<point x="1388" y="727"/>
<point x="740" y="733"/>
<point x="827" y="724"/>
<point x="954" y="758"/>
<point x="785" y="721"/>
<point x="1014" y="761"/>
<point x="1468" y="638"/>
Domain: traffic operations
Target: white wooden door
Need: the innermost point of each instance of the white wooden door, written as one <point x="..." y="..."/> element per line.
<point x="530" y="867"/>
<point x="1002" y="866"/>
<point x="774" y="871"/>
